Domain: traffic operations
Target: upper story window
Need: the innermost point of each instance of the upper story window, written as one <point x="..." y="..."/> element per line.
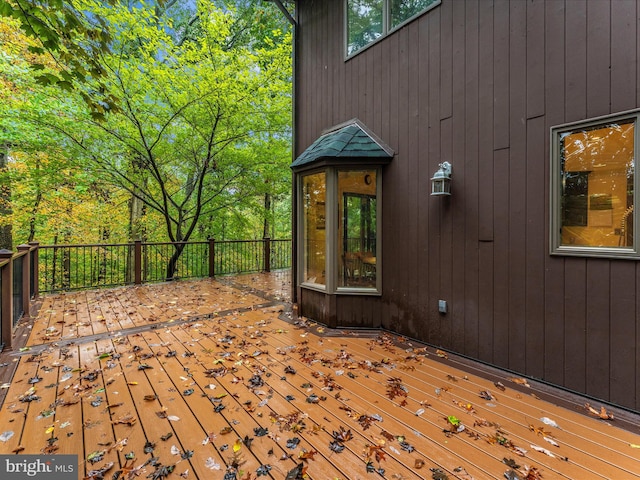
<point x="368" y="20"/>
<point x="593" y="187"/>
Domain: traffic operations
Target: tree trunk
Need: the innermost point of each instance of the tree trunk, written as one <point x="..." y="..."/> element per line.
<point x="32" y="220"/>
<point x="6" y="234"/>
<point x="267" y="215"/>
<point x="102" y="256"/>
<point x="172" y="266"/>
<point x="137" y="211"/>
<point x="36" y="203"/>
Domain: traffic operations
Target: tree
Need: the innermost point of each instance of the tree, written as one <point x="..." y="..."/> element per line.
<point x="189" y="114"/>
<point x="71" y="37"/>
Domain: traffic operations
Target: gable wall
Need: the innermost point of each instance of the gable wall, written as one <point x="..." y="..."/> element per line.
<point x="479" y="83"/>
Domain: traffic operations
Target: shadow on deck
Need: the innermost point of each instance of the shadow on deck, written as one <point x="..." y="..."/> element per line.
<point x="215" y="379"/>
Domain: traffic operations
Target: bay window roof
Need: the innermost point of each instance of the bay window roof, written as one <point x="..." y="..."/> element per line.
<point x="350" y="140"/>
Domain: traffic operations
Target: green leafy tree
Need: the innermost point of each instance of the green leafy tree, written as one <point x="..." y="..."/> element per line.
<point x="190" y="112"/>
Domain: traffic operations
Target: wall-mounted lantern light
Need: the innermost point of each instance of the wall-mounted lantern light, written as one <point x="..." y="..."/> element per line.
<point x="441" y="181"/>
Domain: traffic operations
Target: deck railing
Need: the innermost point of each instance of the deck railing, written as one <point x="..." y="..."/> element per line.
<point x="38" y="268"/>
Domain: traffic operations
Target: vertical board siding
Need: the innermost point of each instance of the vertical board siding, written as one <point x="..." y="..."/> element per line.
<point x="479" y="83"/>
<point x="517" y="181"/>
<point x="554" y="281"/>
<point x="470" y="186"/>
<point x="458" y="244"/>
<point x="623" y="44"/>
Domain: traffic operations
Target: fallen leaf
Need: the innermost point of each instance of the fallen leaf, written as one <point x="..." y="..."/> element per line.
<point x="548" y="452"/>
<point x="304" y="455"/>
<point x="486" y="395"/>
<point x="99" y="474"/>
<point x="520" y="381"/>
<point x="125" y="420"/>
<point x="603" y="414"/>
<point x="548" y="421"/>
<point x="95" y="457"/>
<point x="212" y="464"/>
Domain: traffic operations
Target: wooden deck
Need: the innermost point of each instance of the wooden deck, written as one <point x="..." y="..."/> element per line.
<point x="201" y="379"/>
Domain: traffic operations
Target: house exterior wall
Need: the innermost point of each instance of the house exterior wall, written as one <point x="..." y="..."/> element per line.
<point x="479" y="83"/>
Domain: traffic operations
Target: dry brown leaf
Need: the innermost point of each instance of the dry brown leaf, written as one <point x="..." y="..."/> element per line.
<point x="125" y="420"/>
<point x="520" y="381"/>
<point x="603" y="414"/>
<point x="304" y="455"/>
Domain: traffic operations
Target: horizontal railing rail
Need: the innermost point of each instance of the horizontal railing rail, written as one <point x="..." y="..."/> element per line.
<point x="38" y="268"/>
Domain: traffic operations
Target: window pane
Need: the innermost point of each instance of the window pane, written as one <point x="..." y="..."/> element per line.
<point x="364" y="23"/>
<point x="403" y="10"/>
<point x="357" y="229"/>
<point x="314" y="189"/>
<point x="597" y="170"/>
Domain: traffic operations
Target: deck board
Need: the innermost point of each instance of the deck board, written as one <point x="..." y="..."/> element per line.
<point x="259" y="379"/>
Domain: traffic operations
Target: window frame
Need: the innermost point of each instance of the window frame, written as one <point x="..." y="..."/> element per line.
<point x="555" y="205"/>
<point x="387" y="28"/>
<point x="332" y="270"/>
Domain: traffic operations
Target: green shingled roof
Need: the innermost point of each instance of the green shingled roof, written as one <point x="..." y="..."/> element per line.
<point x="350" y="140"/>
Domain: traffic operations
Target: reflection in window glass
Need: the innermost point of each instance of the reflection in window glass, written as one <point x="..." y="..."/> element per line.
<point x="597" y="176"/>
<point x="314" y="189"/>
<point x="357" y="229"/>
<point x="368" y="20"/>
<point x="403" y="10"/>
<point x="364" y="23"/>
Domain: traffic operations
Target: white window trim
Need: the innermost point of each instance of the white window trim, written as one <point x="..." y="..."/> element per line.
<point x="555" y="204"/>
<point x="386" y="23"/>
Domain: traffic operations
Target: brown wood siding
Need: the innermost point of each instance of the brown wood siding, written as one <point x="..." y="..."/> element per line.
<point x="479" y="83"/>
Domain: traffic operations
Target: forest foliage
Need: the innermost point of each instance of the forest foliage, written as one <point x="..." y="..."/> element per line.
<point x="160" y="121"/>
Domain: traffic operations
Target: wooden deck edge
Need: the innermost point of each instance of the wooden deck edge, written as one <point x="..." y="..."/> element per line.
<point x="625" y="418"/>
<point x="8" y="363"/>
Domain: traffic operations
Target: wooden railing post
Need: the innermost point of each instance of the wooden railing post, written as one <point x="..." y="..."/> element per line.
<point x="212" y="257"/>
<point x="7" y="298"/>
<point x="137" y="262"/>
<point x="267" y="253"/>
<point x="26" y="279"/>
<point x="35" y="269"/>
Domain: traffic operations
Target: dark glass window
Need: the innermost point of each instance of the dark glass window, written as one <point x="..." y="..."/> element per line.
<point x="368" y="20"/>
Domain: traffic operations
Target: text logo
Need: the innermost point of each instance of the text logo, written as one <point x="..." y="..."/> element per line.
<point x="38" y="467"/>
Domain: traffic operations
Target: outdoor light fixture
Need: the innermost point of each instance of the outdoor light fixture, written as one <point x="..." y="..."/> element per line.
<point x="441" y="181"/>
